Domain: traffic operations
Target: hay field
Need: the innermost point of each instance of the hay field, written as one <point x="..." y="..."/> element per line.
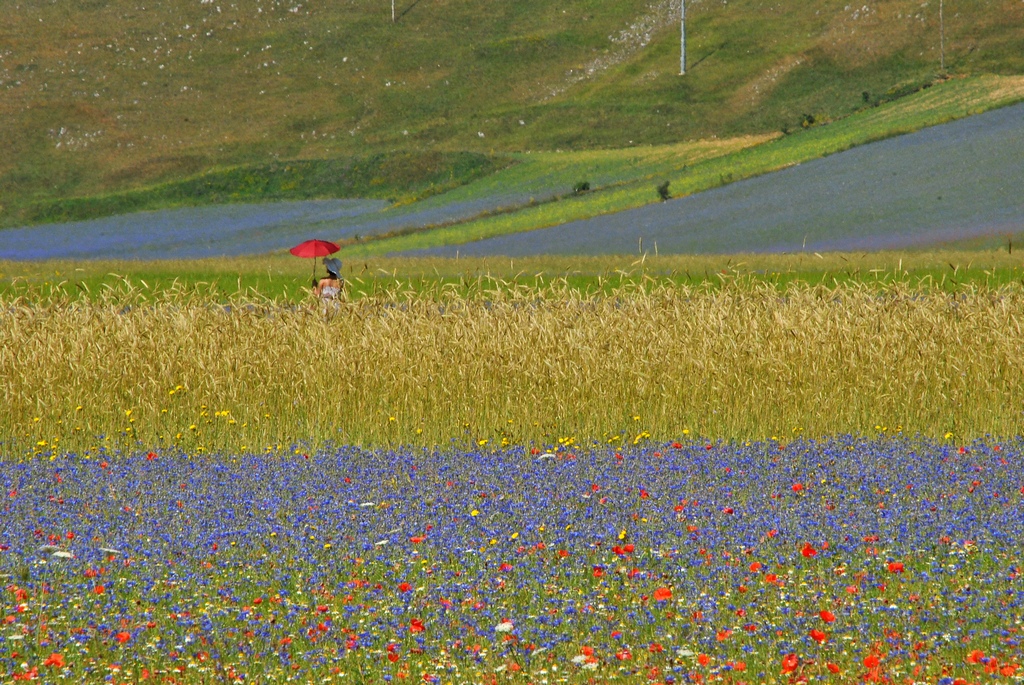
<point x="508" y="363"/>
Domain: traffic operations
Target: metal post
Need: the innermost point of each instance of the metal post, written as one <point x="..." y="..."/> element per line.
<point x="682" y="37"/>
<point x="942" y="40"/>
<point x="392" y="11"/>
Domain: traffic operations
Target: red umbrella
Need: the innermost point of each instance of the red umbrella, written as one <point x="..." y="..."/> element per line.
<point x="313" y="249"/>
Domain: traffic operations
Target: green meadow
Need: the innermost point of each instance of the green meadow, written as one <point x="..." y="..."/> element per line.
<point x="282" y="277"/>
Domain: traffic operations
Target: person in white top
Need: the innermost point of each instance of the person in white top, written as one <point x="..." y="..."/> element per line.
<point x="330" y="288"/>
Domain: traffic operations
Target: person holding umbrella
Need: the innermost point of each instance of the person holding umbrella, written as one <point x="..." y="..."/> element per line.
<point x="329" y="288"/>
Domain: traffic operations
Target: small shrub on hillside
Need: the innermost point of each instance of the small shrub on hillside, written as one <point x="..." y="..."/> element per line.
<point x="663" y="191"/>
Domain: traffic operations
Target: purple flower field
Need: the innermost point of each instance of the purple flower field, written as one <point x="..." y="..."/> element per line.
<point x="846" y="560"/>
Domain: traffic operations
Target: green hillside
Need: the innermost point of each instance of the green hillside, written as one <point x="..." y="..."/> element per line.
<point x="100" y="97"/>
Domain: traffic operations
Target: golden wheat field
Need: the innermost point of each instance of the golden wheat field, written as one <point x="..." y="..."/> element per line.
<point x="509" y="364"/>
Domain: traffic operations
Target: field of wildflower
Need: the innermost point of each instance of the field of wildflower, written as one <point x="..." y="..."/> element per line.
<point x="633" y="479"/>
<point x="839" y="560"/>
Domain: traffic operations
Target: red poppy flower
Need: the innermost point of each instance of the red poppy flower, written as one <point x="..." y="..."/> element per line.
<point x="789" y="663"/>
<point x="895" y="567"/>
<point x="662" y="594"/>
<point x="655" y="648"/>
<point x="871" y="661"/>
<point x="797" y="487"/>
<point x="756" y="566"/>
<point x="393" y="657"/>
<point x="808" y="551"/>
<point x="98" y="590"/>
<point x="703" y="659"/>
<point x="123" y="637"/>
<point x="832" y="668"/>
<point x="975" y="656"/>
<point x="818" y="636"/>
<point x="416" y="626"/>
<point x="55" y="659"/>
<point x="827" y="616"/>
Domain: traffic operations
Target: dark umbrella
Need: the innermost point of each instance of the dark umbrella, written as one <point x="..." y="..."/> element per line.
<point x="313" y="249"/>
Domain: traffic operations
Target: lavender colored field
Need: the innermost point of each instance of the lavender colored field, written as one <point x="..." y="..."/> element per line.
<point x="957" y="181"/>
<point x="885" y="560"/>
<point x="187" y="232"/>
<point x="234" y="229"/>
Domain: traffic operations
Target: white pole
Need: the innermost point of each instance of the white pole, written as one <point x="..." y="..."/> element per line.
<point x="942" y="40"/>
<point x="682" y="38"/>
<point x="392" y="11"/>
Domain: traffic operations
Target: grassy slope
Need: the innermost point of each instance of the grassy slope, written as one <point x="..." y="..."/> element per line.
<point x="399" y="177"/>
<point x="105" y="96"/>
<point x="739" y="159"/>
